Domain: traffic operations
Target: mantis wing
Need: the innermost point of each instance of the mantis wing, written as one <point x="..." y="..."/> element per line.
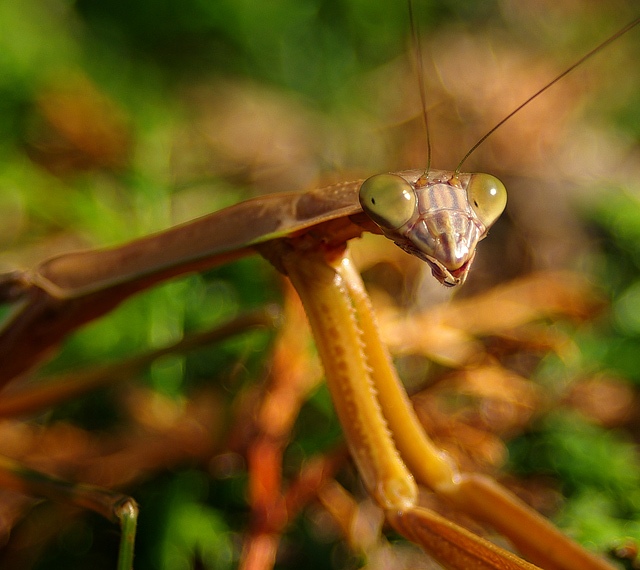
<point x="204" y="242"/>
<point x="66" y="291"/>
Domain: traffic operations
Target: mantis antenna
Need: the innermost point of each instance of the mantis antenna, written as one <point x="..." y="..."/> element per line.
<point x="415" y="40"/>
<point x="593" y="52"/>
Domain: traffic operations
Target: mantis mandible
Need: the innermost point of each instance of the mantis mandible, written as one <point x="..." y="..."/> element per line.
<point x="440" y="216"/>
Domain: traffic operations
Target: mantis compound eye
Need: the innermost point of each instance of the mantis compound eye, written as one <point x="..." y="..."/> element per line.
<point x="487" y="196"/>
<point x="388" y="200"/>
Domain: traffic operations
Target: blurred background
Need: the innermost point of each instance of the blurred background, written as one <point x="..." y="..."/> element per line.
<point x="119" y="119"/>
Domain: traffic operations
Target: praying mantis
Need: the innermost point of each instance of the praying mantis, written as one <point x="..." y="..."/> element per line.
<point x="303" y="236"/>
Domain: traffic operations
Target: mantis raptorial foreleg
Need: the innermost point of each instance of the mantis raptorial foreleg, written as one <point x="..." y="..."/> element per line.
<point x="386" y="441"/>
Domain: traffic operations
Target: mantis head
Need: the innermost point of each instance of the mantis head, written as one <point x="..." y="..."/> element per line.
<point x="439" y="217"/>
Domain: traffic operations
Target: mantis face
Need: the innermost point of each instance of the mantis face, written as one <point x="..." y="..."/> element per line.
<point x="440" y="217"/>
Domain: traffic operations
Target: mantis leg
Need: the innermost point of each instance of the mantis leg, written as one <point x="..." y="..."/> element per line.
<point x="387" y="442"/>
<point x="115" y="507"/>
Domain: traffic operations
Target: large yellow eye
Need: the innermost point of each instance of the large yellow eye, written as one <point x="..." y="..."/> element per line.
<point x="388" y="200"/>
<point x="487" y="196"/>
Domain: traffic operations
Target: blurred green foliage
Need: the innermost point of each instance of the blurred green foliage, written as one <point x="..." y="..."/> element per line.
<point x="142" y="55"/>
<point x="598" y="469"/>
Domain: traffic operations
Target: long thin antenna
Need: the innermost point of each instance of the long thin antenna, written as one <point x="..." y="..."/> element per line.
<point x="415" y="39"/>
<point x="552" y="82"/>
